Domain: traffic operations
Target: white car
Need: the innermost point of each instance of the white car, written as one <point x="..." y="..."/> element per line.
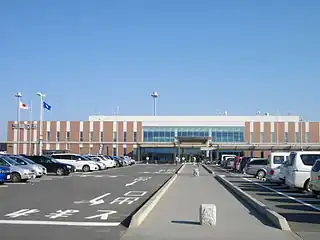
<point x="81" y="163"/>
<point x="275" y="160"/>
<point x="103" y="160"/>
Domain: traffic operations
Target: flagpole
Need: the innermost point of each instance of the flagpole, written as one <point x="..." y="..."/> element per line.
<point x="41" y="95"/>
<point x="30" y="129"/>
<point x="18" y="95"/>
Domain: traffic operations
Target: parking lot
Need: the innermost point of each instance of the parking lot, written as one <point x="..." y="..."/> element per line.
<point x="302" y="210"/>
<point x="84" y="206"/>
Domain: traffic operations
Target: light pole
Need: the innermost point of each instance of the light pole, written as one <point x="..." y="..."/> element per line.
<point x="155" y="95"/>
<point x="42" y="96"/>
<point x="301" y="121"/>
<point x="18" y="95"/>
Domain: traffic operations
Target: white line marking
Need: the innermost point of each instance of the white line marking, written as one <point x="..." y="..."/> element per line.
<point x="285" y="195"/>
<point x="19" y="183"/>
<point x="98" y="200"/>
<point x="3" y="186"/>
<point x="61" y="223"/>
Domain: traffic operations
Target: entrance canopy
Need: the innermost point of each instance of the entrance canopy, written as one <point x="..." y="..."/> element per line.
<point x="198" y="140"/>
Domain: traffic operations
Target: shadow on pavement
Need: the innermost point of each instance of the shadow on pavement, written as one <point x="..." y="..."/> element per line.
<point x="303" y="218"/>
<point x="185" y="222"/>
<point x="299" y="207"/>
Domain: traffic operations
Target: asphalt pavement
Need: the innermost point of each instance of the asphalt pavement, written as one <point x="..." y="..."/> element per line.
<point x="82" y="206"/>
<point x="302" y="210"/>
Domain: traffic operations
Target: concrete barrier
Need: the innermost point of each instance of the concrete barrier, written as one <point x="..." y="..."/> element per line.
<point x="274" y="217"/>
<point x="208" y="214"/>
<point x="208" y="169"/>
<point x="147" y="207"/>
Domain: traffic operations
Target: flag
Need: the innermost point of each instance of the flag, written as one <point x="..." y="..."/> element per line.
<point x="23" y="106"/>
<point x="46" y="106"/>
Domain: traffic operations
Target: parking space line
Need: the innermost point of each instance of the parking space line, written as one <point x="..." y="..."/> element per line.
<point x="61" y="223"/>
<point x="3" y="186"/>
<point x="285" y="195"/>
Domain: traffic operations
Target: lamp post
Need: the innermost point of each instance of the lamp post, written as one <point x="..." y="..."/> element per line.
<point x="42" y="96"/>
<point x="301" y="121"/>
<point x="155" y="95"/>
<point x="18" y="95"/>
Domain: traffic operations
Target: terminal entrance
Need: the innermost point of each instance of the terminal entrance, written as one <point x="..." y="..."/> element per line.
<point x="185" y="149"/>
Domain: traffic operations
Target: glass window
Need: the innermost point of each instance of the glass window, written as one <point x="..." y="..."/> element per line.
<point x="278" y="159"/>
<point x="286" y="137"/>
<point x="114" y="151"/>
<point x="272" y="137"/>
<point x="316" y="166"/>
<point x="124" y="151"/>
<point x="91" y="136"/>
<point x="309" y="159"/>
<point x="81" y="136"/>
<point x="292" y="158"/>
<point x="135" y="136"/>
<point x="58" y="136"/>
<point x="48" y="136"/>
<point x="307" y="137"/>
<point x="262" y="137"/>
<point x="251" y="137"/>
<point x="101" y="136"/>
<point x="124" y="136"/>
<point x="68" y="136"/>
<point x="297" y="137"/>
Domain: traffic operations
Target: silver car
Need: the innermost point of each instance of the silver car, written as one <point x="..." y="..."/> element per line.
<point x="40" y="170"/>
<point x="19" y="173"/>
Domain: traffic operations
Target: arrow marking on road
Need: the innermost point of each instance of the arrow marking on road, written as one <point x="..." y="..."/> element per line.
<point x="104" y="215"/>
<point x="98" y="200"/>
<point x="129" y="184"/>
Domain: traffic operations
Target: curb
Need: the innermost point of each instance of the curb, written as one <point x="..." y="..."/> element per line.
<point x="274" y="217"/>
<point x="208" y="169"/>
<point x="147" y="207"/>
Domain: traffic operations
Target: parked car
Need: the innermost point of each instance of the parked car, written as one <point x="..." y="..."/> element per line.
<point x="81" y="163"/>
<point x="19" y="173"/>
<point x="299" y="167"/>
<point x="257" y="167"/>
<point x="243" y="162"/>
<point x="97" y="160"/>
<point x="108" y="163"/>
<point x="39" y="169"/>
<point x="275" y="160"/>
<point x="4" y="174"/>
<point x="52" y="165"/>
<point x="315" y="178"/>
<point x="230" y="162"/>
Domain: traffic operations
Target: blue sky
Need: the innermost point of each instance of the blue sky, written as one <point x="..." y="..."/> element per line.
<point x="201" y="56"/>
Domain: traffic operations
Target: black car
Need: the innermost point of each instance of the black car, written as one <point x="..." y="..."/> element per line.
<point x="52" y="165"/>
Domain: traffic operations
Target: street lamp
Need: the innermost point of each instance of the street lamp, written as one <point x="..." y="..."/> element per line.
<point x="301" y="121"/>
<point x="18" y="95"/>
<point x="155" y="95"/>
<point x="42" y="96"/>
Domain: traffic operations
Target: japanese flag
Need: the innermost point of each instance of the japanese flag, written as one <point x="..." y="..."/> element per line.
<point x="23" y="106"/>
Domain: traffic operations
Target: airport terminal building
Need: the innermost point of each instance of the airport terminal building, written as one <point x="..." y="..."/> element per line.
<point x="163" y="138"/>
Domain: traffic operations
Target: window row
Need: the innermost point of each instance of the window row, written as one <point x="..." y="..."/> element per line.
<point x="297" y="137"/>
<point x="91" y="136"/>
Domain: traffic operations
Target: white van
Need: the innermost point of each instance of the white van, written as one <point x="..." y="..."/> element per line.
<point x="275" y="160"/>
<point x="224" y="158"/>
<point x="299" y="168"/>
<point x="81" y="163"/>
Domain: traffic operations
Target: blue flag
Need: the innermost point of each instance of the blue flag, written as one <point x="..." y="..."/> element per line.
<point x="46" y="106"/>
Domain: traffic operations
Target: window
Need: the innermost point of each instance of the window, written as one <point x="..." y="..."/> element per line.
<point x="124" y="151"/>
<point x="316" y="166"/>
<point x="91" y="136"/>
<point x="291" y="159"/>
<point x="272" y="137"/>
<point x="114" y="136"/>
<point x="297" y="137"/>
<point x="259" y="162"/>
<point x="286" y="137"/>
<point x="124" y="136"/>
<point x="306" y="137"/>
<point x="48" y="136"/>
<point x="261" y="137"/>
<point x="81" y="136"/>
<point x="4" y="163"/>
<point x="101" y="136"/>
<point x="135" y="136"/>
<point x="309" y="159"/>
<point x="278" y="159"/>
<point x="68" y="136"/>
<point x="251" y="137"/>
<point x="58" y="136"/>
<point x="114" y="151"/>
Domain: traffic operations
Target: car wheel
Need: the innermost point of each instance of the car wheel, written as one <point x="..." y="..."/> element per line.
<point x="261" y="174"/>
<point x="85" y="168"/>
<point x="16" y="177"/>
<point x="306" y="186"/>
<point x="60" y="171"/>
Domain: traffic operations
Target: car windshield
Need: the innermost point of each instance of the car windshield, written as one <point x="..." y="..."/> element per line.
<point x="26" y="160"/>
<point x="278" y="159"/>
<point x="11" y="161"/>
<point x="51" y="159"/>
<point x="85" y="158"/>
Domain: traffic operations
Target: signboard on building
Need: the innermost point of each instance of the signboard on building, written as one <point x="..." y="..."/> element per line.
<point x="24" y="126"/>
